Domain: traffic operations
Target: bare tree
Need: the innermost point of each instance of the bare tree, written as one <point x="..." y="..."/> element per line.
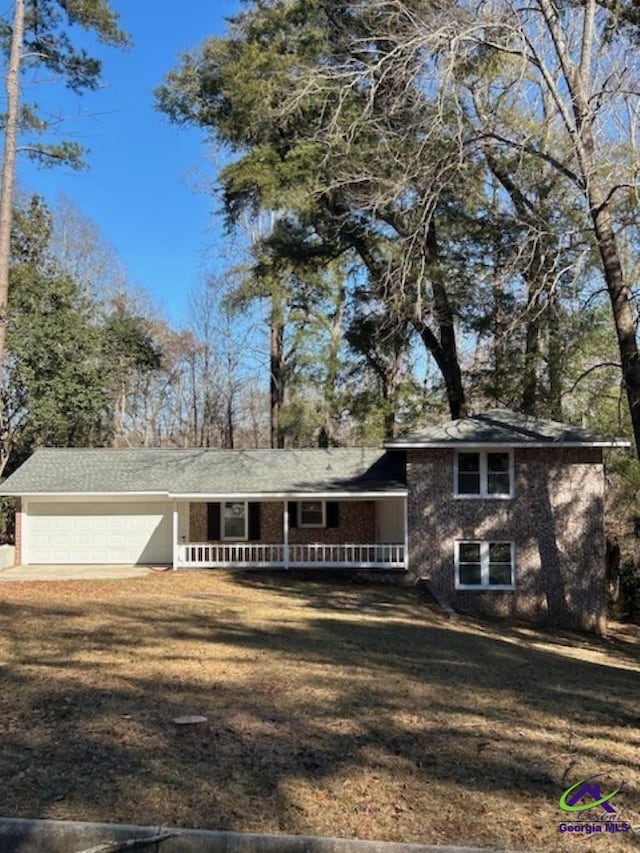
<point x="571" y="69"/>
<point x="82" y="251"/>
<point x="554" y="82"/>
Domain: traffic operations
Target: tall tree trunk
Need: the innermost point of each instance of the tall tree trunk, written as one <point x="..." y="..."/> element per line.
<point x="446" y="357"/>
<point x="9" y="163"/>
<point x="500" y="347"/>
<point x="530" y="383"/>
<point x="620" y="298"/>
<point x="579" y="88"/>
<point x="554" y="354"/>
<point x="443" y="348"/>
<point x="443" y="313"/>
<point x="195" y="420"/>
<point x="230" y="436"/>
<point x="619" y="293"/>
<point x="333" y="367"/>
<point x="276" y="385"/>
<point x="536" y="275"/>
<point x="389" y="382"/>
<point x="450" y="367"/>
<point x="389" y="424"/>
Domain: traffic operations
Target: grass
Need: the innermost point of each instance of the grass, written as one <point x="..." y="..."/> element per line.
<point x="332" y="709"/>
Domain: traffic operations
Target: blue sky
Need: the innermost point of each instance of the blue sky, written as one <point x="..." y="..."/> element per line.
<point x="144" y="187"/>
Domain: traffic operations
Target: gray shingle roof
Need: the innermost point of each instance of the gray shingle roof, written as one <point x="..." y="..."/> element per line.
<point x="504" y="427"/>
<point x="203" y="471"/>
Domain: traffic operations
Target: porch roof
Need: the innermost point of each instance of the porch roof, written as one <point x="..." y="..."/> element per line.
<point x="506" y="428"/>
<point x="197" y="471"/>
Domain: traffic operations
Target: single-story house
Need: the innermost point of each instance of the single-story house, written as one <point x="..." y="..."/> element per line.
<point x="501" y="513"/>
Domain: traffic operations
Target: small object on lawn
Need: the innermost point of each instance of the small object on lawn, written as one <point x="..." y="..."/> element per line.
<point x="189" y="721"/>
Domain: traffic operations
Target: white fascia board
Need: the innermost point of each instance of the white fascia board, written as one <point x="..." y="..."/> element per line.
<point x="268" y="496"/>
<point x="503" y="445"/>
<point x="62" y="496"/>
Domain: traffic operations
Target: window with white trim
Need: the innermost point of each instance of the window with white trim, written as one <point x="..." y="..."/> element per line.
<point x="312" y="514"/>
<point x="234" y="520"/>
<point x="484" y="565"/>
<point x="484" y="474"/>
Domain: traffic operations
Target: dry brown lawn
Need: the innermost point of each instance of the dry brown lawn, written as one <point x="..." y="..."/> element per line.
<point x="333" y="709"/>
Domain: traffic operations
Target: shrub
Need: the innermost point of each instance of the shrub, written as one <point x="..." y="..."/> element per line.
<point x="628" y="604"/>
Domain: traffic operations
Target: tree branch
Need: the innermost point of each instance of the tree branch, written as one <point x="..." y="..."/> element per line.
<point x="535" y="152"/>
<point x="586" y="373"/>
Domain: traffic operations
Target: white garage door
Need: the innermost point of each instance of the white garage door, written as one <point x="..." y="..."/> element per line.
<point x="99" y="533"/>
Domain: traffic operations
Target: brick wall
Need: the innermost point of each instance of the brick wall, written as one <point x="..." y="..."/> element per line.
<point x="555" y="520"/>
<point x="197" y="522"/>
<point x="356" y="523"/>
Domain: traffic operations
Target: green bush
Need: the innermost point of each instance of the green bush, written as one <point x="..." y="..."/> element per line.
<point x="628" y="604"/>
<point x="7" y="520"/>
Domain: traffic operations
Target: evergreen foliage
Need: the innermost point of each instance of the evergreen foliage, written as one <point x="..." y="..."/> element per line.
<point x="63" y="358"/>
<point x="55" y="375"/>
<point x="50" y="42"/>
<point x="339" y="182"/>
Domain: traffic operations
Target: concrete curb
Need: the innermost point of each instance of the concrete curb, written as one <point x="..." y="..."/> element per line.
<point x="52" y="836"/>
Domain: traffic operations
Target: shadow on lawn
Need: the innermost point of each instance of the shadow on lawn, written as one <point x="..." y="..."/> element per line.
<point x="311" y="703"/>
<point x="344" y="590"/>
<point x="346" y="593"/>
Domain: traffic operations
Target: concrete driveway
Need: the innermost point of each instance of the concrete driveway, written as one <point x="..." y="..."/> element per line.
<point x="74" y="573"/>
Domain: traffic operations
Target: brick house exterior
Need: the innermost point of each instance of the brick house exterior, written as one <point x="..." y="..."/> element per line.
<point x="500" y="513"/>
<point x="554" y="520"/>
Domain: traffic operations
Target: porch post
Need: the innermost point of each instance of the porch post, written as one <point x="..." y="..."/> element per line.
<point x="24" y="532"/>
<point x="175" y="534"/>
<point x="406" y="532"/>
<point x="285" y="532"/>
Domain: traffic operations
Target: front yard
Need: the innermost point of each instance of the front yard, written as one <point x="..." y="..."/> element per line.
<point x="332" y="710"/>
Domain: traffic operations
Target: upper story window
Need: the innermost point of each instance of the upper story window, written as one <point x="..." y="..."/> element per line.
<point x="484" y="474"/>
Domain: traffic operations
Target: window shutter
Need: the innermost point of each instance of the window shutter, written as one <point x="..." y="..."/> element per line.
<point x="254" y="521"/>
<point x="213" y="522"/>
<point x="332" y="514"/>
<point x="293" y="514"/>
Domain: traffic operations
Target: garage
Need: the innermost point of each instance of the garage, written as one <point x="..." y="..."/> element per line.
<point x="98" y="532"/>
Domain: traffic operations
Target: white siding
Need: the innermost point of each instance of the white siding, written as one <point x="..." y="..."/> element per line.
<point x="99" y="532"/>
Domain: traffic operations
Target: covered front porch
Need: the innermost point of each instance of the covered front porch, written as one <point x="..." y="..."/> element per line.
<point x="293" y="532"/>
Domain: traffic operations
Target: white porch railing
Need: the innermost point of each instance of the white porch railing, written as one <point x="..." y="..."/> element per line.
<point x="361" y="556"/>
<point x="236" y="555"/>
<point x="246" y="555"/>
